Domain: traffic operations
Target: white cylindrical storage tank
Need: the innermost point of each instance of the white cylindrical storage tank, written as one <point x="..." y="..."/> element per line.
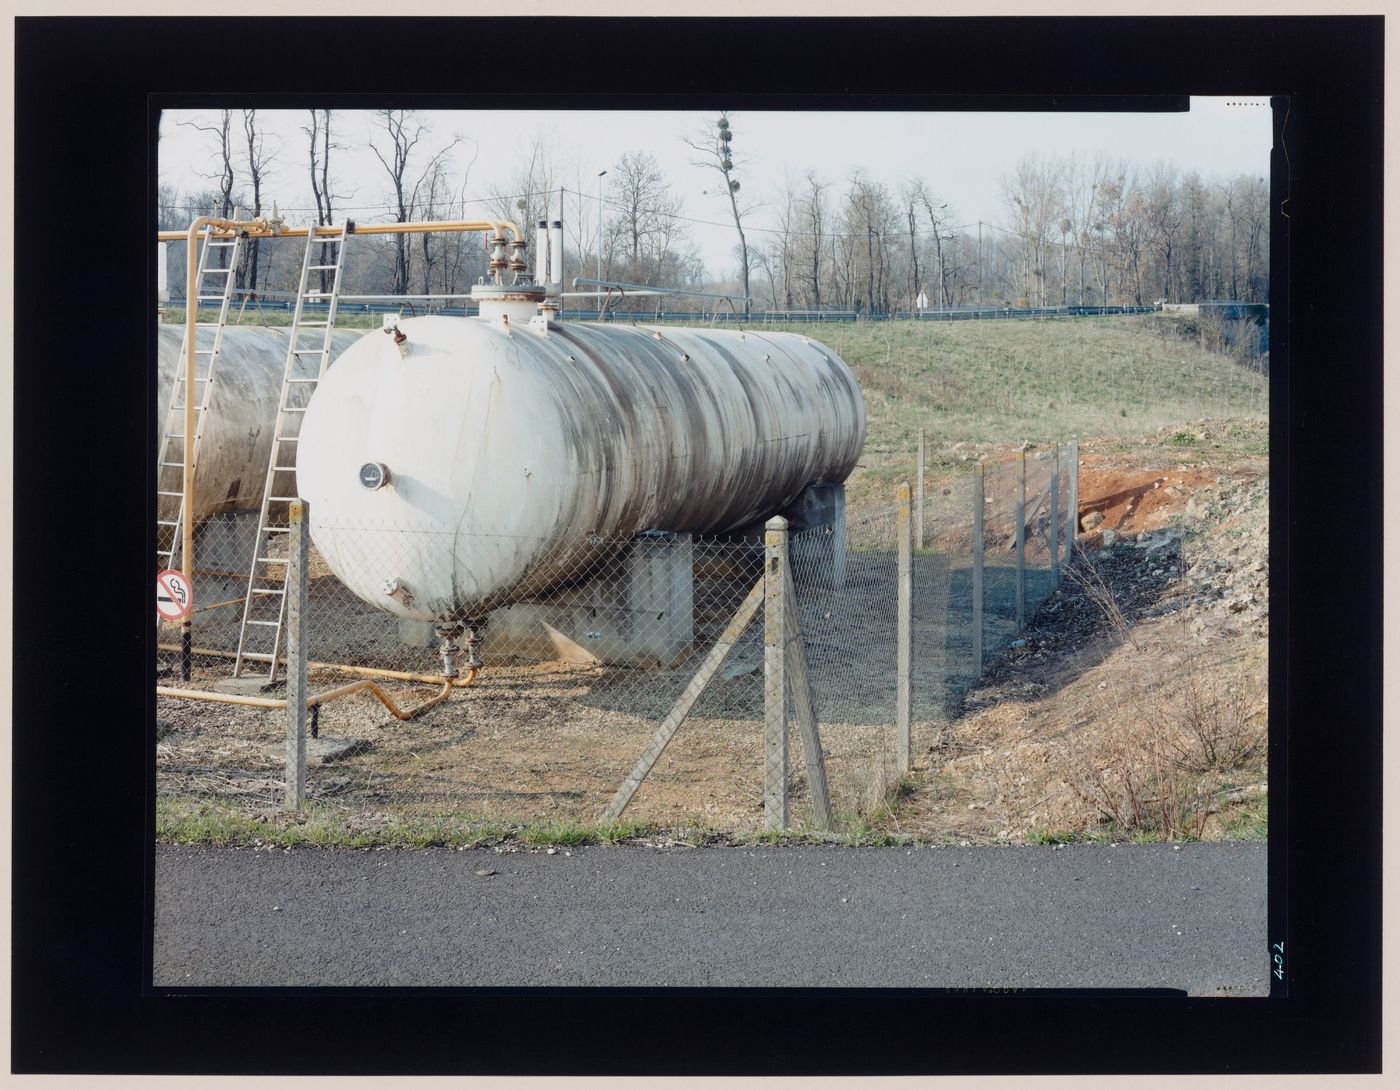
<point x="505" y="451"/>
<point x="236" y="439"/>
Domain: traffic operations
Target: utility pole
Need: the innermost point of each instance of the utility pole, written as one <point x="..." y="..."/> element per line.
<point x="979" y="263"/>
<point x="600" y="226"/>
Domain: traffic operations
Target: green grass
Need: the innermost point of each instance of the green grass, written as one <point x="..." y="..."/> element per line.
<point x="1005" y="380"/>
<point x="1247" y="822"/>
<point x="217" y="824"/>
<point x="994" y="381"/>
<point x="1050" y="836"/>
<point x="276" y="318"/>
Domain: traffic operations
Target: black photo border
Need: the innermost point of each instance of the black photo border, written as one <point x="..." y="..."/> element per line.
<point x="83" y="709"/>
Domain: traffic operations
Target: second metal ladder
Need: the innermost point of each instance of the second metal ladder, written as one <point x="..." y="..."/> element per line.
<point x="265" y="606"/>
<point x="209" y="339"/>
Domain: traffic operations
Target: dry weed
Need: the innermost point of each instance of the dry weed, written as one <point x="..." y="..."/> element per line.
<point x="1158" y="764"/>
<point x="1085" y="574"/>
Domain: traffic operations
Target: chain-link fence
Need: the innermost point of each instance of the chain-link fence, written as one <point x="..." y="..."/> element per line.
<point x="590" y="648"/>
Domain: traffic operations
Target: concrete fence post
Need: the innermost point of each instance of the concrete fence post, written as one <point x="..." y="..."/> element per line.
<point x="905" y="625"/>
<point x="979" y="507"/>
<point x="805" y="712"/>
<point x="919" y="498"/>
<point x="298" y="556"/>
<point x="1021" y="546"/>
<point x="775" y="745"/>
<point x="1055" y="521"/>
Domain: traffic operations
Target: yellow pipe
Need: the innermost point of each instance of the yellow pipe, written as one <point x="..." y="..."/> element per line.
<point x="261" y="228"/>
<point x="321" y="698"/>
<point x="217" y="605"/>
<point x="395" y="675"/>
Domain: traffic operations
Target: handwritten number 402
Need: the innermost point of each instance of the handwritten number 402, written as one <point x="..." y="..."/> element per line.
<point x="1277" y="948"/>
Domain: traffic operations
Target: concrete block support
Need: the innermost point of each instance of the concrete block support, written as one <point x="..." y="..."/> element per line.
<point x="819" y="506"/>
<point x="640" y="610"/>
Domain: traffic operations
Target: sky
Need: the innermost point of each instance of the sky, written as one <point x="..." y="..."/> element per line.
<point x="962" y="156"/>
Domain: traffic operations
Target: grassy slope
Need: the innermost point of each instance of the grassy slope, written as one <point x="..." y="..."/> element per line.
<point x="995" y="382"/>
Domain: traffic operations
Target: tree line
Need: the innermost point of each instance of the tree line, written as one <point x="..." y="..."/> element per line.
<point x="1073" y="229"/>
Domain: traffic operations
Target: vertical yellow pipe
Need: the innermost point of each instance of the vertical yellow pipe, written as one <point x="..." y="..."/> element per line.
<point x="187" y="486"/>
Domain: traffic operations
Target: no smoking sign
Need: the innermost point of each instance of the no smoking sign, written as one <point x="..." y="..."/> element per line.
<point x="173" y="596"/>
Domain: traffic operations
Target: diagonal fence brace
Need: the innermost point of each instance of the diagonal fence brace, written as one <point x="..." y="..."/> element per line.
<point x="713" y="661"/>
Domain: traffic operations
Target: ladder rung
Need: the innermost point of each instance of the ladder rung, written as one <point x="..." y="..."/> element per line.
<point x="270" y="559"/>
<point x="269" y="590"/>
<point x="291" y="410"/>
<point x="260" y="656"/>
<point x="287" y="439"/>
<point x="269" y="624"/>
<point x="177" y="465"/>
<point x="222" y="245"/>
<point x="283" y="499"/>
<point x="174" y="522"/>
<point x="162" y="493"/>
<point x="312" y="325"/>
<point x="302" y="381"/>
<point x="321" y="268"/>
<point x="276" y="530"/>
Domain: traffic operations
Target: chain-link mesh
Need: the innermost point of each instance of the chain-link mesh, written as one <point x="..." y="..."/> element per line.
<point x="588" y="644"/>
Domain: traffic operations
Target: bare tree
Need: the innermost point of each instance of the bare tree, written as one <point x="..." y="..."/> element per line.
<point x="782" y="244"/>
<point x="812" y="216"/>
<point x="714" y="143"/>
<point x="647" y="236"/>
<point x="319" y="161"/>
<point x="403" y="132"/>
<point x="1163" y="215"/>
<point x="258" y="159"/>
<point x="221" y="131"/>
<point x="910" y="200"/>
<point x="1032" y="194"/>
<point x="920" y="192"/>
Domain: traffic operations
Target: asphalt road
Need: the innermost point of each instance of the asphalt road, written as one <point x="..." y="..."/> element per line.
<point x="1085" y="915"/>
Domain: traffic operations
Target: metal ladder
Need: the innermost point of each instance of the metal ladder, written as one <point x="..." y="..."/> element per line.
<point x="265" y="605"/>
<point x="170" y="466"/>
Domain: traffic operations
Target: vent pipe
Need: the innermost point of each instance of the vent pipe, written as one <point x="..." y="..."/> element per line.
<point x="556" y="256"/>
<point x="542" y="252"/>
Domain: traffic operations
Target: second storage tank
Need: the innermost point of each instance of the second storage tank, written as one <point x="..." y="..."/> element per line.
<point x="237" y="435"/>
